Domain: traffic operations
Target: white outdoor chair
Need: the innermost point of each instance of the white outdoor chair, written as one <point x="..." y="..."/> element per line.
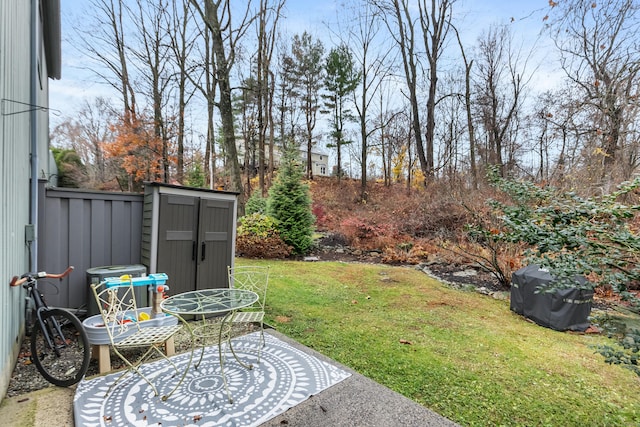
<point x="117" y="305"/>
<point x="255" y="279"/>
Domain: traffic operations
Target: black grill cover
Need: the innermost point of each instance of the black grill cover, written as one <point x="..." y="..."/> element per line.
<point x="563" y="309"/>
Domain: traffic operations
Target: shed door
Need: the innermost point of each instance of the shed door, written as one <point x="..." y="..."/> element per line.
<point x="214" y="236"/>
<point x="177" y="248"/>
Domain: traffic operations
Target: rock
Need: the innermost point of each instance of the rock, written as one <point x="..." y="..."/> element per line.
<point x="465" y="273"/>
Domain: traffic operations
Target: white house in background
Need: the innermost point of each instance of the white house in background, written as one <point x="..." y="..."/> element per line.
<point x="29" y="56"/>
<point x="319" y="162"/>
<point x="319" y="159"/>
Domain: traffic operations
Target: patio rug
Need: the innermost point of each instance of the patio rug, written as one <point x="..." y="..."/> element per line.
<point x="284" y="378"/>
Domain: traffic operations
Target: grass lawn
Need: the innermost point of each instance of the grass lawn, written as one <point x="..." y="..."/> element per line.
<point x="464" y="355"/>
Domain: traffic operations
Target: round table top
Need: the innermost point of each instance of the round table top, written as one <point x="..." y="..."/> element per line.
<point x="208" y="301"/>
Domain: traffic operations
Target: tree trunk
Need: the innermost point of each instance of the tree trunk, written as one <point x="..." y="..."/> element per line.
<point x="225" y="105"/>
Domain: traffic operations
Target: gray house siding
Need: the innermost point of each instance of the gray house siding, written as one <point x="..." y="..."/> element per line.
<point x="17" y="119"/>
<point x="14" y="176"/>
<point x="86" y="229"/>
<point x="147" y="227"/>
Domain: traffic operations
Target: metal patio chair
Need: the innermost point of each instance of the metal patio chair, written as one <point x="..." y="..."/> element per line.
<point x="120" y="314"/>
<point x="255" y="279"/>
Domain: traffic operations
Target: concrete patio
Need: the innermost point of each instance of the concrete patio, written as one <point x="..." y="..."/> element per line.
<point x="355" y="401"/>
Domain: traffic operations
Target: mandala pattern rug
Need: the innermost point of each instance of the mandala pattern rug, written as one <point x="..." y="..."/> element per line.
<point x="284" y="378"/>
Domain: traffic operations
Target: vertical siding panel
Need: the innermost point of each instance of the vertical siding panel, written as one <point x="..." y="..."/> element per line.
<point x="88" y="229"/>
<point x="53" y="230"/>
<point x="135" y="238"/>
<point x="122" y="232"/>
<point x="147" y="221"/>
<point x="98" y="208"/>
<point x="74" y="241"/>
<point x="105" y="235"/>
<point x="15" y="139"/>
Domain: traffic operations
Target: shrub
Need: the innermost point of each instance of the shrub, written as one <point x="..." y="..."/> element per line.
<point x="290" y="204"/>
<point x="366" y="234"/>
<point x="321" y="216"/>
<point x="574" y="236"/>
<point x="256" y="204"/>
<point x="257" y="224"/>
<point x="272" y="247"/>
<point x="626" y="352"/>
<point x="405" y="253"/>
<point x="258" y="237"/>
<point x="570" y="235"/>
<point x="71" y="172"/>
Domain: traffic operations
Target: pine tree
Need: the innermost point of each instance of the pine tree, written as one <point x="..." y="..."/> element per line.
<point x="341" y="80"/>
<point x="290" y="204"/>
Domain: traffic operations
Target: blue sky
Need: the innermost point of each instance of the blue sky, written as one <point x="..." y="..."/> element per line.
<point x="472" y="16"/>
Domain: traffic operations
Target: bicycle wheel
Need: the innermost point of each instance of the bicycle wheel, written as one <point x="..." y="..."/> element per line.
<point x="66" y="362"/>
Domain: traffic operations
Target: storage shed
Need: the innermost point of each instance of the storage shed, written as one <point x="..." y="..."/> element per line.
<point x="189" y="234"/>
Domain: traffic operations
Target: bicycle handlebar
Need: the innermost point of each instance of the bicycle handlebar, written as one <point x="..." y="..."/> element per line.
<point x="17" y="281"/>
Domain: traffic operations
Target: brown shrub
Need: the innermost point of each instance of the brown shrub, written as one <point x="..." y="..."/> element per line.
<point x="408" y="226"/>
<point x="271" y="247"/>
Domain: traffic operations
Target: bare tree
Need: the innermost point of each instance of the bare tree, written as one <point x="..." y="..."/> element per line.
<point x="144" y="26"/>
<point x="246" y="108"/>
<point x="500" y="80"/>
<point x="203" y="75"/>
<point x="105" y="41"/>
<point x="565" y="147"/>
<point x="600" y="54"/>
<point x="182" y="42"/>
<point x="370" y="54"/>
<point x="86" y="133"/>
<point x="450" y="128"/>
<point x="435" y="18"/>
<point x="153" y="56"/>
<point x="401" y="26"/>
<point x="225" y="34"/>
<point x="269" y="15"/>
<point x="468" y="64"/>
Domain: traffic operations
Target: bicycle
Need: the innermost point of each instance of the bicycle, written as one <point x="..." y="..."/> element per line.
<point x="59" y="344"/>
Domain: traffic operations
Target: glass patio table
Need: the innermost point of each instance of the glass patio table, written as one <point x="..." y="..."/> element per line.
<point x="222" y="302"/>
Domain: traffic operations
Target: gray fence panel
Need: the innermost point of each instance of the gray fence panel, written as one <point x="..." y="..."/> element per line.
<point x="86" y="229"/>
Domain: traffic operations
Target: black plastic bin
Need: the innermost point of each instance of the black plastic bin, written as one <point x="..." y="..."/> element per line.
<point x="98" y="274"/>
<point x="562" y="309"/>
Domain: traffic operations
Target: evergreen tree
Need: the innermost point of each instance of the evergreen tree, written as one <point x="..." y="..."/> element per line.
<point x="195" y="176"/>
<point x="308" y="72"/>
<point x="290" y="204"/>
<point x="71" y="172"/>
<point x="341" y="80"/>
<point x="256" y="204"/>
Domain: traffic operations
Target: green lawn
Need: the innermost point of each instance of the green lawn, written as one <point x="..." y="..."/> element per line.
<point x="461" y="354"/>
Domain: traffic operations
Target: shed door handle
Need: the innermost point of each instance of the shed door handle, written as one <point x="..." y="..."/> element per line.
<point x="204" y="245"/>
<point x="194" y="251"/>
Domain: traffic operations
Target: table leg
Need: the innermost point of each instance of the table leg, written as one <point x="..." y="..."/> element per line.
<point x="186" y="369"/>
<point x="225" y="329"/>
<point x="235" y="356"/>
<point x="203" y="337"/>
